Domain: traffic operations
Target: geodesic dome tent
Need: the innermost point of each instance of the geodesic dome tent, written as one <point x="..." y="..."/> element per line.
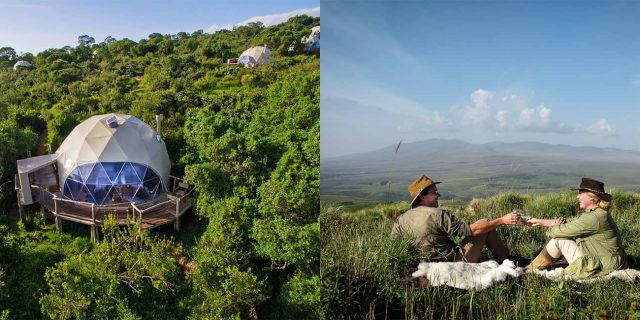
<point x="113" y="158"/>
<point x="21" y="63"/>
<point x="256" y="56"/>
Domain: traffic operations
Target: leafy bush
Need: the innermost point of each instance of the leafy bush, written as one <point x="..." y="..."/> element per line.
<point x="128" y="275"/>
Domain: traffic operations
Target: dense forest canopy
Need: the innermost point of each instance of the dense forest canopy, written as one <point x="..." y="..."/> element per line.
<point x="247" y="139"/>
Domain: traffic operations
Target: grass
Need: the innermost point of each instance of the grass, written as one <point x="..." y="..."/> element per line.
<point x="364" y="269"/>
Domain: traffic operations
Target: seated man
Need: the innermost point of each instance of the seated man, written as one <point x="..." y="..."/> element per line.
<point x="432" y="229"/>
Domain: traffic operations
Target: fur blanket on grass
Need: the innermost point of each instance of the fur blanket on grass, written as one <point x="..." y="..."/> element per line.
<point x="629" y="275"/>
<point x="464" y="275"/>
<point x="479" y="276"/>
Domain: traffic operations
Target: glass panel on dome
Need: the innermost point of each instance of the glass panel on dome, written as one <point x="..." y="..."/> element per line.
<point x="123" y="192"/>
<point x="112" y="169"/>
<point x="127" y="175"/>
<point x="150" y="175"/>
<point x="98" y="175"/>
<point x="99" y="191"/>
<point x="75" y="175"/>
<point x="151" y="185"/>
<point x="85" y="195"/>
<point x="66" y="191"/>
<point x="140" y="170"/>
<point x="72" y="188"/>
<point x="85" y="170"/>
<point x="141" y="195"/>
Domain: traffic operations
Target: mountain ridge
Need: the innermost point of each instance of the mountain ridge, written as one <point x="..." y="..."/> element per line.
<point x="476" y="170"/>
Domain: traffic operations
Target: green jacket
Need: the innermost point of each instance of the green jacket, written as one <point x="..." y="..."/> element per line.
<point x="598" y="237"/>
<point x="432" y="230"/>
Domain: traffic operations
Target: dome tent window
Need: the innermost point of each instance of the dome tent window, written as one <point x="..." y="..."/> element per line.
<point x="113" y="182"/>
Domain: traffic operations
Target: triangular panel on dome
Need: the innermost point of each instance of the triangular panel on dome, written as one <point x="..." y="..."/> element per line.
<point x="75" y="176"/>
<point x="84" y="170"/>
<point x="72" y="188"/>
<point x="152" y="184"/>
<point x="140" y="169"/>
<point x="85" y="195"/>
<point x="112" y="169"/>
<point x="99" y="130"/>
<point x="113" y="151"/>
<point x="140" y="195"/>
<point x="100" y="192"/>
<point x="128" y="175"/>
<point x="150" y="175"/>
<point x="96" y="146"/>
<point x="98" y="175"/>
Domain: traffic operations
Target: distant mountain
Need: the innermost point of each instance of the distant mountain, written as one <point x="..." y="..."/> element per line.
<point x="472" y="170"/>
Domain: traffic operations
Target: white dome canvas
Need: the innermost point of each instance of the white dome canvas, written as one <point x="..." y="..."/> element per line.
<point x="113" y="158"/>
<point x="21" y="63"/>
<point x="255" y="56"/>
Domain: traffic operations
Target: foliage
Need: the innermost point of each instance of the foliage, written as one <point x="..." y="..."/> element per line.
<point x="246" y="139"/>
<point x="128" y="275"/>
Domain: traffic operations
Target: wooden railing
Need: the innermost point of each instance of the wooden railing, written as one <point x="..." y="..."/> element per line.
<point x="93" y="214"/>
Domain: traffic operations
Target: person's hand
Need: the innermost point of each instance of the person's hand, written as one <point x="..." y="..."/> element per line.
<point x="510" y="218"/>
<point x="534" y="222"/>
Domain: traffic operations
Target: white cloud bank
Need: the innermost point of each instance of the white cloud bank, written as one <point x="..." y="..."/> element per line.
<point x="267" y="20"/>
<point x="513" y="113"/>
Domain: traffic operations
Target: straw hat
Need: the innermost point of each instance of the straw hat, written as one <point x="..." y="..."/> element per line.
<point x="416" y="187"/>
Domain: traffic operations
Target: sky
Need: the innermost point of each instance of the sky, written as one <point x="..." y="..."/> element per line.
<point x="563" y="72"/>
<point x="36" y="25"/>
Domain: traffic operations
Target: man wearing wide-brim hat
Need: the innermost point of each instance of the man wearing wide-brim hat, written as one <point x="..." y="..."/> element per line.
<point x="432" y="229"/>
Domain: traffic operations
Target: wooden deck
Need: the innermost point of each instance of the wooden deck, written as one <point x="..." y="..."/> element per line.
<point x="165" y="209"/>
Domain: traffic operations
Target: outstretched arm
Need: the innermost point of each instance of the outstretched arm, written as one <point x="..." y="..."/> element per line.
<point x="487" y="226"/>
<point x="533" y="222"/>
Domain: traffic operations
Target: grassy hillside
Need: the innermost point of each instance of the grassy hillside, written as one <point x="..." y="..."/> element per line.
<point x="363" y="268"/>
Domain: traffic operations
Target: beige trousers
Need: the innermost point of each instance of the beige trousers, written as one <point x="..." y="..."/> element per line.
<point x="471" y="247"/>
<point x="564" y="247"/>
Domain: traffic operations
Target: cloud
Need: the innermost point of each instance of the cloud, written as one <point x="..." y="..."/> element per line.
<point x="512" y="113"/>
<point x="538" y="117"/>
<point x="601" y="126"/>
<point x="267" y="20"/>
<point x="480" y="108"/>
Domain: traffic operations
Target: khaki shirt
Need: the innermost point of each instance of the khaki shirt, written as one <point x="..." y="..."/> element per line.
<point x="598" y="237"/>
<point x="431" y="230"/>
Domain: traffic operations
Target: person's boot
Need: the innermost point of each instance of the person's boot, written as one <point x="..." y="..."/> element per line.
<point x="519" y="261"/>
<point x="542" y="261"/>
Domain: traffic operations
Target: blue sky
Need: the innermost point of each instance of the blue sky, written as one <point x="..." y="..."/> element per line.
<point x="554" y="72"/>
<point x="36" y="25"/>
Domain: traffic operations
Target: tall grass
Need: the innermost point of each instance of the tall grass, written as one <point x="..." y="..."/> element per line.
<point x="366" y="273"/>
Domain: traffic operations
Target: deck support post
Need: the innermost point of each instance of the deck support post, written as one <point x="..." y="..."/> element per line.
<point x="94" y="231"/>
<point x="176" y="225"/>
<point x="55" y="213"/>
<point x="42" y="210"/>
<point x="20" y="206"/>
<point x="94" y="234"/>
<point x="21" y="212"/>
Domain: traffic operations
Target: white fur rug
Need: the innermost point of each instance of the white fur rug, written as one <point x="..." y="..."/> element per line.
<point x="479" y="276"/>
<point x="464" y="275"/>
<point x="629" y="275"/>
